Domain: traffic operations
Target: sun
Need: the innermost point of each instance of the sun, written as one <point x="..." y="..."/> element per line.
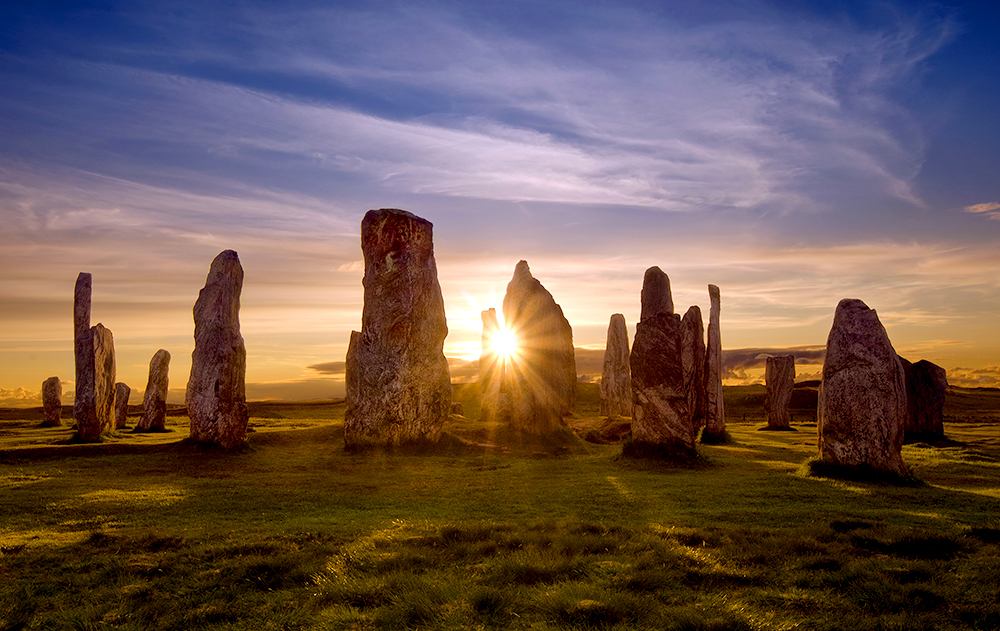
<point x="504" y="343"/>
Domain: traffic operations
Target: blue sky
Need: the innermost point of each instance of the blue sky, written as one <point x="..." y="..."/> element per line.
<point x="793" y="153"/>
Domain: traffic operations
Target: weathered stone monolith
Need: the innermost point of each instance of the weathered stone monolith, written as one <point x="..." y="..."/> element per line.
<point x="779" y="379"/>
<point x="926" y="384"/>
<point x="661" y="418"/>
<point x="616" y="379"/>
<point x="693" y="358"/>
<point x="715" y="419"/>
<point x="399" y="386"/>
<point x="84" y="412"/>
<point x="216" y="389"/>
<point x="655" y="297"/>
<point x="51" y="402"/>
<point x="861" y="410"/>
<point x="104" y="384"/>
<point x="154" y="400"/>
<point x="540" y="379"/>
<point x="122" y="393"/>
<point x="491" y="366"/>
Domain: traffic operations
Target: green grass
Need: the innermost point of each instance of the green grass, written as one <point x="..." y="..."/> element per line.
<point x="145" y="532"/>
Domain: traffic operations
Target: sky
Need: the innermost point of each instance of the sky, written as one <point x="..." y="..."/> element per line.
<point x="792" y="153"/>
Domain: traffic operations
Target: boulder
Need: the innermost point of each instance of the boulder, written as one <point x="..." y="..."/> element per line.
<point x="926" y="384"/>
<point x="715" y="418"/>
<point x="862" y="406"/>
<point x="457" y="408"/>
<point x="660" y="413"/>
<point x="84" y="412"/>
<point x="216" y="389"/>
<point x="122" y="393"/>
<point x="104" y="385"/>
<point x="693" y="361"/>
<point x="51" y="402"/>
<point x="616" y="379"/>
<point x="154" y="400"/>
<point x="491" y="366"/>
<point x="779" y="379"/>
<point x="539" y="381"/>
<point x="655" y="295"/>
<point x="399" y="386"/>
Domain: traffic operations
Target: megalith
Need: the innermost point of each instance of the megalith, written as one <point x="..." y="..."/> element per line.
<point x="399" y="387"/>
<point x="715" y="419"/>
<point x="122" y="393"/>
<point x="84" y="412"/>
<point x="862" y="404"/>
<point x="616" y="378"/>
<point x="539" y="380"/>
<point x="655" y="297"/>
<point x="693" y="361"/>
<point x="779" y="379"/>
<point x="104" y="385"/>
<point x="491" y="367"/>
<point x="216" y="389"/>
<point x="926" y="385"/>
<point x="661" y="417"/>
<point x="51" y="402"/>
<point x="154" y="400"/>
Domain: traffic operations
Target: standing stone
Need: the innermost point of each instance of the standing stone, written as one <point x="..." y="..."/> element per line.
<point x="540" y="380"/>
<point x="104" y="382"/>
<point x="154" y="400"/>
<point x="122" y="393"/>
<point x="216" y="389"/>
<point x="616" y="379"/>
<point x="779" y="378"/>
<point x="862" y="398"/>
<point x="84" y="412"/>
<point x="926" y="384"/>
<point x="660" y="413"/>
<point x="693" y="361"/>
<point x="715" y="420"/>
<point x="399" y="386"/>
<point x="51" y="402"/>
<point x="655" y="295"/>
<point x="491" y="367"/>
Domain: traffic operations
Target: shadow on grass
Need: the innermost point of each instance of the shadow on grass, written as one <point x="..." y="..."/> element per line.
<point x="816" y="468"/>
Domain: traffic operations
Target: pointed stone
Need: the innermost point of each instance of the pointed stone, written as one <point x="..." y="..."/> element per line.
<point x="154" y="400"/>
<point x="84" y="412"/>
<point x="862" y="398"/>
<point x="655" y="295"/>
<point x="491" y="366"/>
<point x="122" y="393"/>
<point x="926" y="385"/>
<point x="660" y="413"/>
<point x="216" y="389"/>
<point x="715" y="419"/>
<point x="616" y="379"/>
<point x="52" y="402"/>
<point x="779" y="379"/>
<point x="104" y="384"/>
<point x="400" y="386"/>
<point x="693" y="358"/>
<point x="540" y="379"/>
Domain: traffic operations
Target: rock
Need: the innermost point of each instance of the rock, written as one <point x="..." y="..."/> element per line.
<point x="715" y="419"/>
<point x="693" y="361"/>
<point x="400" y="387"/>
<point x="862" y="399"/>
<point x="216" y="389"/>
<point x="154" y="400"/>
<point x="457" y="408"/>
<point x="540" y="379"/>
<point x="122" y="393"/>
<point x="491" y="366"/>
<point x="926" y="384"/>
<point x="52" y="402"/>
<point x="660" y="413"/>
<point x="616" y="379"/>
<point x="655" y="295"/>
<point x="779" y="378"/>
<point x="84" y="412"/>
<point x="104" y="383"/>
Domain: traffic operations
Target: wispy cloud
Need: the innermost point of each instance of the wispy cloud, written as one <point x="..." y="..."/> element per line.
<point x="989" y="209"/>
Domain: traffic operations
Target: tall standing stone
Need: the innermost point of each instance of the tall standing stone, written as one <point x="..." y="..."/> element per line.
<point x="491" y="367"/>
<point x="399" y="387"/>
<point x="693" y="361"/>
<point x="84" y="412"/>
<point x="104" y="385"/>
<point x="51" y="402"/>
<point x="122" y="393"/>
<point x="926" y="384"/>
<point x="540" y="381"/>
<point x="154" y="400"/>
<point x="715" y="420"/>
<point x="660" y="413"/>
<point x="216" y="389"/>
<point x="862" y="398"/>
<point x="655" y="297"/>
<point x="616" y="379"/>
<point x="779" y="379"/>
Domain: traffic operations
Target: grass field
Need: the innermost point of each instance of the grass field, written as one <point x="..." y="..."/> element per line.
<point x="144" y="531"/>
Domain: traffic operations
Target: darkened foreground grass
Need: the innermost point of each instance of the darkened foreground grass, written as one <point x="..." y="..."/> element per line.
<point x="296" y="534"/>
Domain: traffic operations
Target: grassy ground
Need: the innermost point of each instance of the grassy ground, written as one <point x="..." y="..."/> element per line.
<point x="145" y="532"/>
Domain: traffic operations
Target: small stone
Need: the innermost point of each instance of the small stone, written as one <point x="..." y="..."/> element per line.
<point x="491" y="366"/>
<point x="693" y="358"/>
<point x="122" y="393"/>
<point x="660" y="414"/>
<point x="616" y="379"/>
<point x="104" y="385"/>
<point x="715" y="420"/>
<point x="655" y="297"/>
<point x="154" y="400"/>
<point x="926" y="385"/>
<point x="779" y="379"/>
<point x="52" y="402"/>
<point x="457" y="408"/>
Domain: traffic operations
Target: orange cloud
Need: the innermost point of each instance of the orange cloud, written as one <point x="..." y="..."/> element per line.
<point x="988" y="208"/>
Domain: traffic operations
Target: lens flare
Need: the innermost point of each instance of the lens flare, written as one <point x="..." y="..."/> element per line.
<point x="504" y="343"/>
